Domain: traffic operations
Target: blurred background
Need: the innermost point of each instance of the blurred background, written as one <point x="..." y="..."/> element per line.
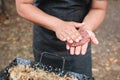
<point x="16" y="40"/>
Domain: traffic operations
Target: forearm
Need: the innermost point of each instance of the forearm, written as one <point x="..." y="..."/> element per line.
<point x="32" y="13"/>
<point x="96" y="14"/>
<point x="94" y="19"/>
<point x="64" y="30"/>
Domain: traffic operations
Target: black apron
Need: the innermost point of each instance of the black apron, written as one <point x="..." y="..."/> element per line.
<point x="46" y="40"/>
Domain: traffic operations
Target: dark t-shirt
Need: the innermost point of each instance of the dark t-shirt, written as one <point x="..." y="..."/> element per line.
<point x="67" y="10"/>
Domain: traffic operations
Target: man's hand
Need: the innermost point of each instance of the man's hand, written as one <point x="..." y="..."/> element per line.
<point x="67" y="31"/>
<point x="81" y="46"/>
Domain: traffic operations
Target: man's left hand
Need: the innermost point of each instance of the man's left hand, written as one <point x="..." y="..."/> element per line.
<point x="80" y="47"/>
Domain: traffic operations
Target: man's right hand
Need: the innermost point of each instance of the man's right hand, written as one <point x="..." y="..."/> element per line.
<point x="67" y="31"/>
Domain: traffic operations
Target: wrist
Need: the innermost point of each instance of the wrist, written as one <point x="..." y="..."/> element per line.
<point x="55" y="24"/>
<point x="88" y="27"/>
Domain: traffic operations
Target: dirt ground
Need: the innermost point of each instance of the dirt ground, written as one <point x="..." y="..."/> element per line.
<point x="16" y="41"/>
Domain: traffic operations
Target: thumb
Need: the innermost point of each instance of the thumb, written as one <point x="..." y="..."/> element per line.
<point x="79" y="25"/>
<point x="93" y="38"/>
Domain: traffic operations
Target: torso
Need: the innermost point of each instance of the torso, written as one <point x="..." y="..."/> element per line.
<point x="68" y="10"/>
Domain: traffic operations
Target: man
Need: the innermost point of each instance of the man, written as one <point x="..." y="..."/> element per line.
<point x="65" y="27"/>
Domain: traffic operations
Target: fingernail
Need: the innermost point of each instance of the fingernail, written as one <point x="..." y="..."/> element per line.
<point x="77" y="40"/>
<point x="77" y="53"/>
<point x="83" y="53"/>
<point x="64" y="39"/>
<point x="83" y="23"/>
<point x="71" y="41"/>
<point x="68" y="48"/>
<point x="72" y="53"/>
<point x="97" y="42"/>
<point x="80" y="38"/>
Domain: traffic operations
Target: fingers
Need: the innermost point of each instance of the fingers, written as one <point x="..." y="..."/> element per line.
<point x="84" y="48"/>
<point x="67" y="46"/>
<point x="73" y="34"/>
<point x="68" y="32"/>
<point x="93" y="38"/>
<point x="85" y="40"/>
<point x="70" y="36"/>
<point x="68" y="39"/>
<point x="62" y="38"/>
<point x="72" y="50"/>
<point x="77" y="50"/>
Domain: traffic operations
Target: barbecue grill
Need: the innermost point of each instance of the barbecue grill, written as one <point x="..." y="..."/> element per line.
<point x="4" y="75"/>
